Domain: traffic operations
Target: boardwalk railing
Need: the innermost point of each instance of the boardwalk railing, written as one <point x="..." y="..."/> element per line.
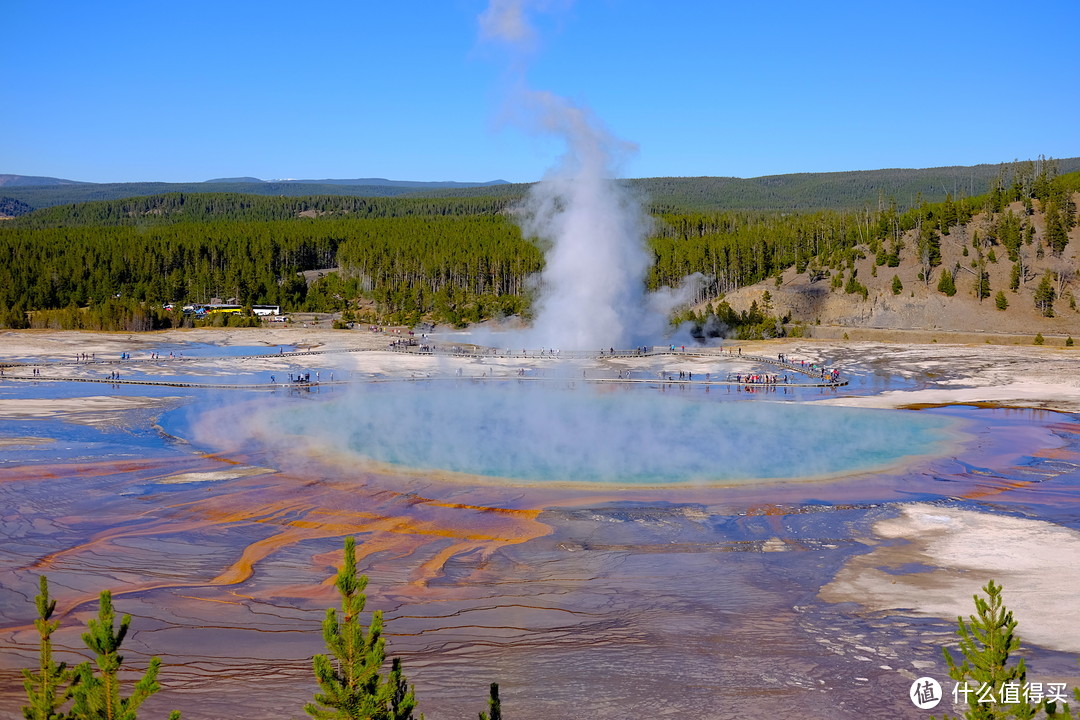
<point x="825" y="378"/>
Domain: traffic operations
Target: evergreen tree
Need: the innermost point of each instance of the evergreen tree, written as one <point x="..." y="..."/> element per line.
<point x="946" y="284"/>
<point x="1045" y="294"/>
<point x="403" y="699"/>
<point x="897" y="286"/>
<point x="986" y="642"/>
<point x="1014" y="277"/>
<point x="97" y="696"/>
<point x="1057" y="234"/>
<point x="982" y="283"/>
<point x="351" y="684"/>
<point x="929" y="246"/>
<point x="494" y="705"/>
<point x="1001" y="301"/>
<point x="53" y="686"/>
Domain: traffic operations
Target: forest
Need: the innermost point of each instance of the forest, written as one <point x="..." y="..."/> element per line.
<point x="116" y="264"/>
<point x="801" y="192"/>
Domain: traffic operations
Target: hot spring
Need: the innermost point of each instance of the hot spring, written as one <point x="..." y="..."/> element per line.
<point x="540" y="433"/>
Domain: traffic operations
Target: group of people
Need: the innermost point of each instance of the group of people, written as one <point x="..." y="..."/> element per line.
<point x="304" y="377"/>
<point x="764" y="378"/>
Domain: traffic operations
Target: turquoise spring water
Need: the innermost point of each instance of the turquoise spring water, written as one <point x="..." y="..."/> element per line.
<point x="541" y="433"/>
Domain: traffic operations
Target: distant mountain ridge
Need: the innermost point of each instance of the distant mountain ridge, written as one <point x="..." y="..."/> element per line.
<point x="369" y="182"/>
<point x="383" y="182"/>
<point x="42" y="181"/>
<point x="42" y="192"/>
<point x="801" y="192"/>
<point x="33" y="181"/>
<point x="798" y="192"/>
<point x="236" y="180"/>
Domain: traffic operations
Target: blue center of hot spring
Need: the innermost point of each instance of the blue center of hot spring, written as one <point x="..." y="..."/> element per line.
<point x="542" y="433"/>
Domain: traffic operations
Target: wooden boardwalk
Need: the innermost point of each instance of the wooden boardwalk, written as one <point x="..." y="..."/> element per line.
<point x="812" y="372"/>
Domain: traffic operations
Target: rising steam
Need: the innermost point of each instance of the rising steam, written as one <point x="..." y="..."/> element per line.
<point x="592" y="290"/>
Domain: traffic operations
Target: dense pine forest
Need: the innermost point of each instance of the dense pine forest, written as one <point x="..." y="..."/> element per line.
<point x="115" y="264"/>
<point x="802" y="192"/>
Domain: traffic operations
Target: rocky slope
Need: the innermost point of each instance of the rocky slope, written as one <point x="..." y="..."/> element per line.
<point x="919" y="305"/>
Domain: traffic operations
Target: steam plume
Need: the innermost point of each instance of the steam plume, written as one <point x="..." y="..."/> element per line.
<point x="592" y="290"/>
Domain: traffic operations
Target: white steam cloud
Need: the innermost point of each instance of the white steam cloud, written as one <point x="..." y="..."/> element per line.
<point x="592" y="291"/>
<point x="505" y="20"/>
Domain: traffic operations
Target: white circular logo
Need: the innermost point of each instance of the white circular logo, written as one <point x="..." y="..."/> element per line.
<point x="925" y="693"/>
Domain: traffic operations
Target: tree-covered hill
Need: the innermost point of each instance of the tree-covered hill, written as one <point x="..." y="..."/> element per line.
<point x="208" y="207"/>
<point x="10" y="207"/>
<point x="463" y="259"/>
<point x="1005" y="262"/>
<point x="42" y="192"/>
<point x="798" y="192"/>
<point x="804" y="192"/>
<point x="832" y="191"/>
<point x="8" y="180"/>
<point x="43" y="196"/>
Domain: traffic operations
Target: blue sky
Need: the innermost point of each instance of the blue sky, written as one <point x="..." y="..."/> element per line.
<point x="186" y="91"/>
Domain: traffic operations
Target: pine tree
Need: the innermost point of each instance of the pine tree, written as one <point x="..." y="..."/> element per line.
<point x="494" y="705"/>
<point x="1045" y="294"/>
<point x="929" y="245"/>
<point x="402" y="699"/>
<point x="97" y="696"/>
<point x="1001" y="301"/>
<point x="946" y="284"/>
<point x="897" y="286"/>
<point x="982" y="284"/>
<point x="986" y="641"/>
<point x="352" y="688"/>
<point x="1057" y="234"/>
<point x="53" y="686"/>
